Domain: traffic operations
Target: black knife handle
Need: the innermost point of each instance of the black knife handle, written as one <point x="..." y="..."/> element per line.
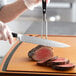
<point x="44" y="6"/>
<point x="14" y="34"/>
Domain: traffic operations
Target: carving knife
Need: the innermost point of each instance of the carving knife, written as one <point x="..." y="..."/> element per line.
<point x="36" y="40"/>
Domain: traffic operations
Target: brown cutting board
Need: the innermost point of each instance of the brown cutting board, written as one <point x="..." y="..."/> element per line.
<point x="20" y="61"/>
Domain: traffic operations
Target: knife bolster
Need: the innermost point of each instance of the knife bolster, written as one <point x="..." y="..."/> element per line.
<point x="14" y="34"/>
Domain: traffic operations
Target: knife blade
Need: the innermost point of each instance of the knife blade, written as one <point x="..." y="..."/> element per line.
<point x="36" y="40"/>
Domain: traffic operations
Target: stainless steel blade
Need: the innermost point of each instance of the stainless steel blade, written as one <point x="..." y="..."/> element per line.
<point x="36" y="40"/>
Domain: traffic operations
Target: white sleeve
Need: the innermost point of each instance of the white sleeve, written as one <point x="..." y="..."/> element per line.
<point x="2" y="3"/>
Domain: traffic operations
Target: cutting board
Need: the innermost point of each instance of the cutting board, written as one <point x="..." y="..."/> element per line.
<point x="17" y="59"/>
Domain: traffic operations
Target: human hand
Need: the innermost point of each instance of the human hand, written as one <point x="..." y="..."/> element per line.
<point x="32" y="3"/>
<point x="5" y="33"/>
<point x="39" y="1"/>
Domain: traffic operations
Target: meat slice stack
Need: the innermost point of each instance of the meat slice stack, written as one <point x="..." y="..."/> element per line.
<point x="45" y="62"/>
<point x="64" y="67"/>
<point x="45" y="57"/>
<point x="58" y="61"/>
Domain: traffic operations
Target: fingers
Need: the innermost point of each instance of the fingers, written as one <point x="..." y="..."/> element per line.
<point x="31" y="4"/>
<point x="10" y="38"/>
<point x="1" y="37"/>
<point x="48" y="1"/>
<point x="2" y="32"/>
<point x="5" y="33"/>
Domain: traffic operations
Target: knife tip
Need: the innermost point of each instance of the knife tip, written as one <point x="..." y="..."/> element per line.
<point x="67" y="45"/>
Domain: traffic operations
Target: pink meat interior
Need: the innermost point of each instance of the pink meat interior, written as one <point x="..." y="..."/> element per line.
<point x="51" y="59"/>
<point x="42" y="61"/>
<point x="66" y="65"/>
<point x="43" y="53"/>
<point x="60" y="60"/>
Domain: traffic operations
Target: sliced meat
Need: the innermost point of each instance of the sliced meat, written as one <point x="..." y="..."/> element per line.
<point x="64" y="67"/>
<point x="43" y="53"/>
<point x="58" y="61"/>
<point x="31" y="52"/>
<point x="45" y="61"/>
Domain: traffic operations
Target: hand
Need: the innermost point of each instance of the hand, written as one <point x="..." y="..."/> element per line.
<point x="32" y="3"/>
<point x="48" y="1"/>
<point x="5" y="33"/>
<point x="39" y="1"/>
